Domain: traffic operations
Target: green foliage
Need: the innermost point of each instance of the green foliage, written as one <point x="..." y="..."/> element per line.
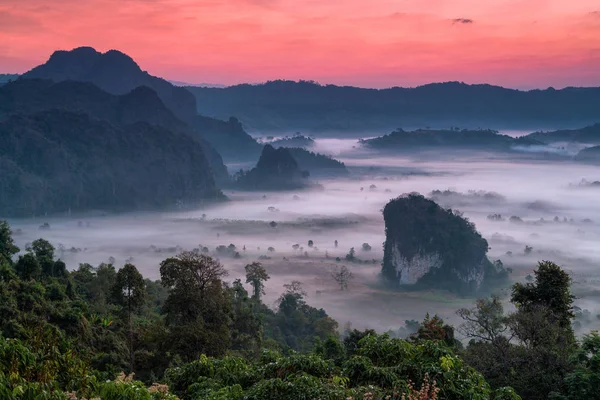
<point x="584" y="381"/>
<point x="530" y="348"/>
<point x="551" y="288"/>
<point x="7" y="244"/>
<point x="256" y="275"/>
<point x="197" y="308"/>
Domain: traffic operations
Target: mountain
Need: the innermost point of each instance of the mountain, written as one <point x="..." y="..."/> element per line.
<point x="305" y="106"/>
<point x="113" y="72"/>
<point x="420" y="139"/>
<point x="276" y="170"/>
<point x="118" y="74"/>
<point x="317" y="164"/>
<point x="142" y="104"/>
<point x="589" y="135"/>
<point x="57" y="161"/>
<point x="228" y="137"/>
<point x="5" y="78"/>
<point x="590" y="154"/>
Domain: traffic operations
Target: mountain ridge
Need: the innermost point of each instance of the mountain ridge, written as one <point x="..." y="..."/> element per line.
<point x="307" y="106"/>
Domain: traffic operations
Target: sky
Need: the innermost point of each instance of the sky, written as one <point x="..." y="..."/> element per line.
<point x="375" y="43"/>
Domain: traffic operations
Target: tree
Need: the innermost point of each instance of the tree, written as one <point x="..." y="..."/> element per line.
<point x="197" y="308"/>
<point x="342" y="276"/>
<point x="310" y="243"/>
<point x="366" y="247"/>
<point x="256" y="275"/>
<point x="129" y="291"/>
<point x="351" y="256"/>
<point x="584" y="382"/>
<point x="42" y="249"/>
<point x="190" y="270"/>
<point x="551" y="288"/>
<point x="435" y="329"/>
<point x="44" y="253"/>
<point x="538" y="361"/>
<point x="28" y="267"/>
<point x="485" y="322"/>
<point x="7" y="245"/>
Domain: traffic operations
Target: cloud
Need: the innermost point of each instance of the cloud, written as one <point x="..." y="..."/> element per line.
<point x="462" y="21"/>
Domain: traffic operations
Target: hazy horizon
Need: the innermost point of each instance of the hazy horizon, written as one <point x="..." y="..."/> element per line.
<point x="521" y="44"/>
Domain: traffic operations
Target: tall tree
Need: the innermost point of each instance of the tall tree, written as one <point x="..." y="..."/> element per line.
<point x="129" y="291"/>
<point x="256" y="275"/>
<point x="551" y="288"/>
<point x="342" y="276"/>
<point x="7" y="244"/>
<point x="197" y="307"/>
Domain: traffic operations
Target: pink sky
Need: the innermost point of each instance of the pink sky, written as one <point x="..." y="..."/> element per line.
<point x="374" y="43"/>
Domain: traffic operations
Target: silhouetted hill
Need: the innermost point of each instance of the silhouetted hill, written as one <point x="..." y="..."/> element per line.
<point x="228" y="137"/>
<point x="591" y="154"/>
<point x="276" y="170"/>
<point x="118" y="74"/>
<point x="59" y="161"/>
<point x="317" y="164"/>
<point x="5" y="78"/>
<point x="401" y="140"/>
<point x="588" y="134"/>
<point x="114" y="72"/>
<point x="305" y="106"/>
<point x="142" y="104"/>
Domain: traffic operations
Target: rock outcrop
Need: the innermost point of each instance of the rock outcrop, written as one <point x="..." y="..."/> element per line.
<point x="429" y="246"/>
<point x="276" y="170"/>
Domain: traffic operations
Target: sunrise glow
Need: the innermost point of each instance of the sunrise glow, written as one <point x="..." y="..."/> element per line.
<point x="379" y="43"/>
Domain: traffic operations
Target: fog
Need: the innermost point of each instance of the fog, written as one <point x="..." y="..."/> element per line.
<point x="349" y="210"/>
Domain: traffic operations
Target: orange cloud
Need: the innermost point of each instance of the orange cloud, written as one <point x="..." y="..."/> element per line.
<point x="380" y="43"/>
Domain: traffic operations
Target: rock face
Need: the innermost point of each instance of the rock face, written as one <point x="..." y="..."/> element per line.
<point x="429" y="246"/>
<point x="276" y="170"/>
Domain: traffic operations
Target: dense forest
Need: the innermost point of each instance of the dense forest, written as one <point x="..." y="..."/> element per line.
<point x="282" y="106"/>
<point x="59" y="162"/>
<point x="106" y="332"/>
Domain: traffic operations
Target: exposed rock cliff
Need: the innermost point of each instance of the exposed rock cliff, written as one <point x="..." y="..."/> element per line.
<point x="429" y="246"/>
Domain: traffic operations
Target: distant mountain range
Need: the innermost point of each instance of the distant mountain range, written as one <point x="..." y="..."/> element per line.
<point x="284" y="106"/>
<point x="210" y="85"/>
<point x="585" y="135"/>
<point x="431" y="139"/>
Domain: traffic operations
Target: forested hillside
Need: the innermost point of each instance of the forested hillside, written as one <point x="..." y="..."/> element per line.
<point x="106" y="332"/>
<point x="59" y="161"/>
<point x="307" y="106"/>
<point x="142" y="104"/>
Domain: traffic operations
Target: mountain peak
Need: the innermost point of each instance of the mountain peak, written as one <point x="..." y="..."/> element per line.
<point x="114" y="72"/>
